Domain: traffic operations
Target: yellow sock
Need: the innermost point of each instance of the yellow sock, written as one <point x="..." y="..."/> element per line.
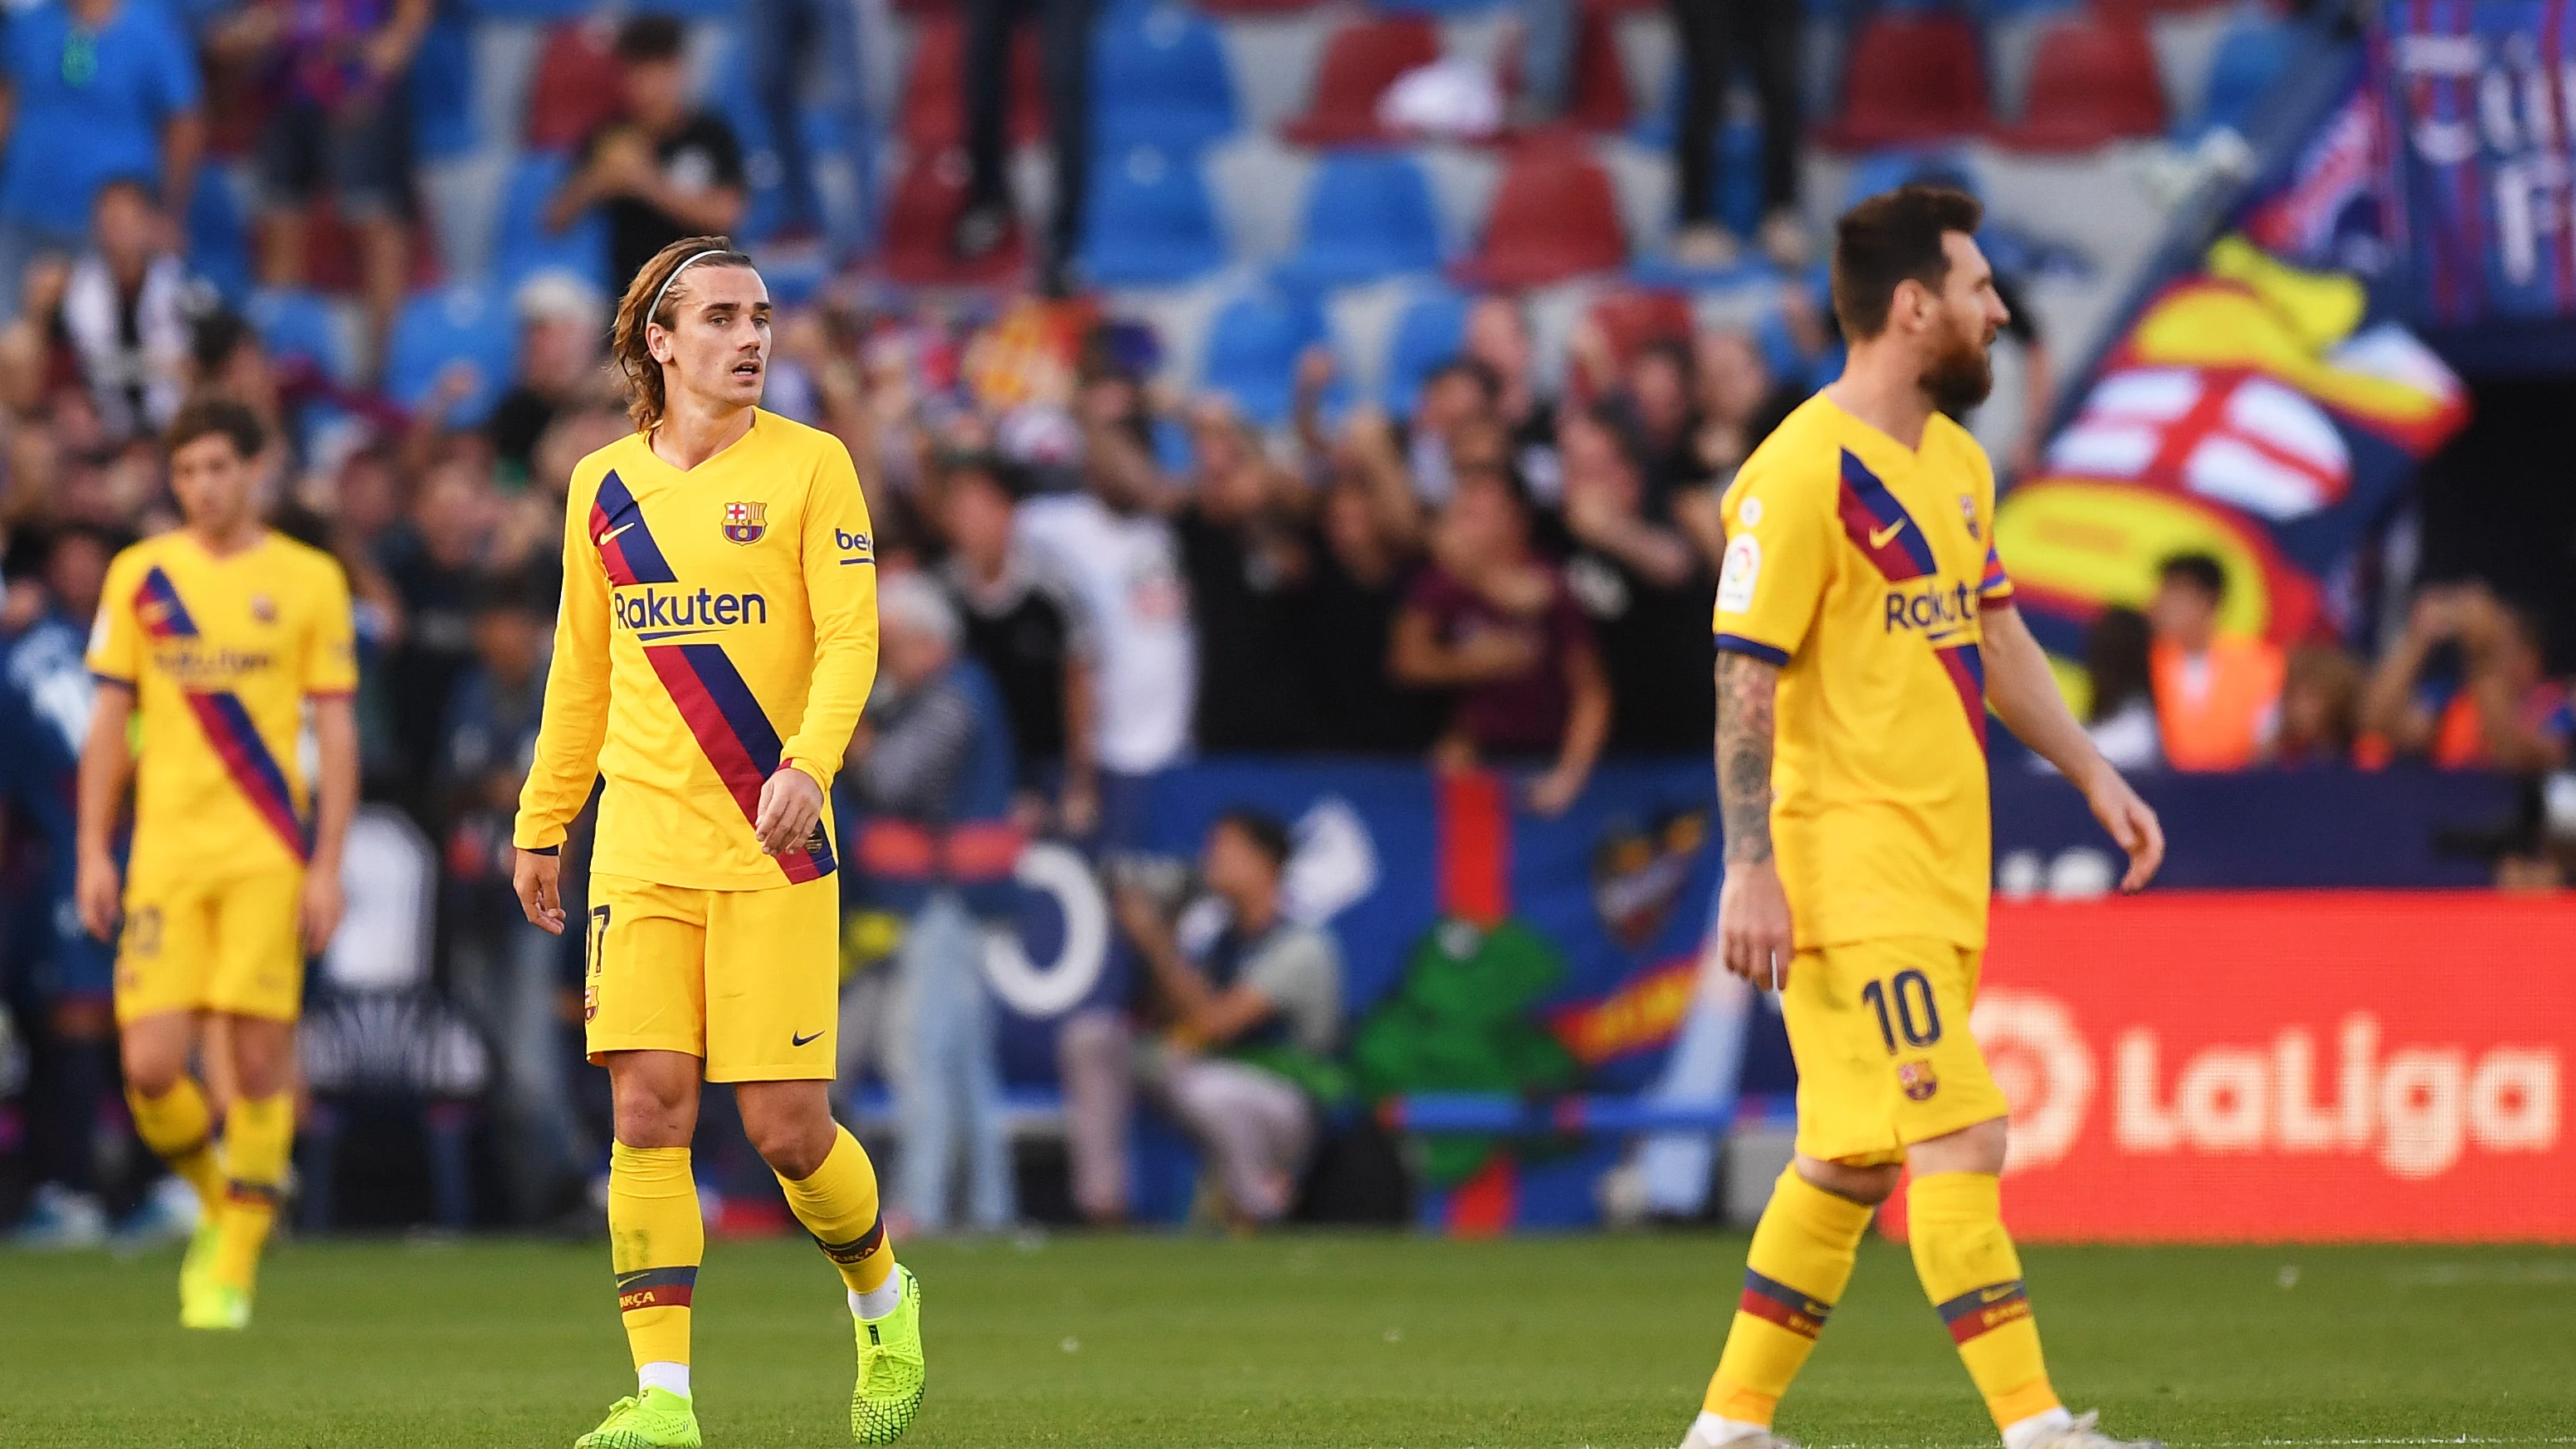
<point x="180" y="1130"/>
<point x="656" y="1239"/>
<point x="259" y="1133"/>
<point x="1973" y="1276"/>
<point x="838" y="1205"/>
<point x="1801" y="1260"/>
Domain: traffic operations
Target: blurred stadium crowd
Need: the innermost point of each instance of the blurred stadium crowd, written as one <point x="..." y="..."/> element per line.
<point x="1163" y="528"/>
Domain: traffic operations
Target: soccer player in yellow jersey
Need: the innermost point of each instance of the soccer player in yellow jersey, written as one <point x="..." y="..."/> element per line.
<point x="717" y="639"/>
<point x="1864" y="627"/>
<point x="212" y="641"/>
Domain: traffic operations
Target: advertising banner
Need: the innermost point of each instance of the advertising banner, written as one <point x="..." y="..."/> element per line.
<point x="2291" y="1066"/>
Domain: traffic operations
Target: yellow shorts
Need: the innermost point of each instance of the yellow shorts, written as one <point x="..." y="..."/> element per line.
<point x="1885" y="1060"/>
<point x="224" y="945"/>
<point x="749" y="981"/>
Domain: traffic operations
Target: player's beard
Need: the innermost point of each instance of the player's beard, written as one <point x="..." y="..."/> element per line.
<point x="1960" y="375"/>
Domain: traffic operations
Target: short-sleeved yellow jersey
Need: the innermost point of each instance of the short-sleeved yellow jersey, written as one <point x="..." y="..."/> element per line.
<point x="221" y="654"/>
<point x="1862" y="569"/>
<point x="718" y="625"/>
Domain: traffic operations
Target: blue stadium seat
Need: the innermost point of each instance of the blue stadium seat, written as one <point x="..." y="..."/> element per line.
<point x="526" y="246"/>
<point x="1252" y="351"/>
<point x="721" y="10"/>
<point x="2251" y="58"/>
<point x="1159" y="78"/>
<point x="442" y="92"/>
<point x="465" y="324"/>
<point x="297" y="324"/>
<point x="1428" y="333"/>
<point x="1149" y="221"/>
<point x="218" y="241"/>
<point x="528" y="9"/>
<point x="1887" y="170"/>
<point x="1369" y="215"/>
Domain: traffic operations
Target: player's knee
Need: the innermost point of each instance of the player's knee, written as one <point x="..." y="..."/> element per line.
<point x="262" y="1051"/>
<point x="1869" y="1185"/>
<point x="151" y="1074"/>
<point x="1979" y="1147"/>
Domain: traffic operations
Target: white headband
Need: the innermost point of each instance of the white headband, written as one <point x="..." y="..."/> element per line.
<point x="694" y="258"/>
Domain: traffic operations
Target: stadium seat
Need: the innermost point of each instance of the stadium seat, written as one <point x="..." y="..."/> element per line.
<point x="575" y="91"/>
<point x="934" y="95"/>
<point x="1360" y="62"/>
<point x="218" y="240"/>
<point x="528" y="9"/>
<point x="1149" y="221"/>
<point x="1554" y="216"/>
<point x="297" y="325"/>
<point x="2093" y="81"/>
<point x="1252" y="351"/>
<point x="1159" y="78"/>
<point x="1913" y="79"/>
<point x="1598" y="98"/>
<point x="1368" y="214"/>
<point x="1628" y="321"/>
<point x="442" y="93"/>
<point x="698" y="10"/>
<point x="463" y="324"/>
<point x="525" y="246"/>
<point x="2251" y="57"/>
<point x="919" y="213"/>
<point x="1429" y="332"/>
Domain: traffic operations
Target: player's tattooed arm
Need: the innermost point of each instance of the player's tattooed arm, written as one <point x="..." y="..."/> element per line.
<point x="1746" y="687"/>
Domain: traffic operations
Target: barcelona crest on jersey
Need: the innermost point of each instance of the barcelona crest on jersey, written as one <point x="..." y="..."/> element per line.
<point x="745" y="522"/>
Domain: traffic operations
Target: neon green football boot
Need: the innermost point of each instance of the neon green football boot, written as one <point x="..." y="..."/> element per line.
<point x="891" y="1371"/>
<point x="205" y="1303"/>
<point x="196" y="1270"/>
<point x="659" y="1419"/>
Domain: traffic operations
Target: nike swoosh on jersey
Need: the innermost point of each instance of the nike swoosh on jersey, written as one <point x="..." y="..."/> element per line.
<point x="1878" y="537"/>
<point x="794" y="1040"/>
<point x="612" y="533"/>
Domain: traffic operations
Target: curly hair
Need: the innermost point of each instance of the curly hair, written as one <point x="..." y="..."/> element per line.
<point x="652" y="298"/>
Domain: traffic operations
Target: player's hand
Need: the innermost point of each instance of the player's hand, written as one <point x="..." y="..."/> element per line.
<point x="1555" y="792"/>
<point x="2132" y="823"/>
<point x="98" y="892"/>
<point x="317" y="915"/>
<point x="789" y="805"/>
<point x="539" y="881"/>
<point x="1754" y="937"/>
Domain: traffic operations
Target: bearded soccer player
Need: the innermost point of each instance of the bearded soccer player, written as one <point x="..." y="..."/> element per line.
<point x="212" y="640"/>
<point x="1864" y="627"/>
<point x="717" y="639"/>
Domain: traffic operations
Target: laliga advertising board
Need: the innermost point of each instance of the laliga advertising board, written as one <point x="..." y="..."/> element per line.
<point x="2286" y="1065"/>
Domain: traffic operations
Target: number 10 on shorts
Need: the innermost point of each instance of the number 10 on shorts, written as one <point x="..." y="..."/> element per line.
<point x="1913" y="1013"/>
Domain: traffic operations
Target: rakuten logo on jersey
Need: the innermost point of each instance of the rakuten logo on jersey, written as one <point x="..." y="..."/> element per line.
<point x="649" y="608"/>
<point x="2413" y="1108"/>
<point x="1934" y="609"/>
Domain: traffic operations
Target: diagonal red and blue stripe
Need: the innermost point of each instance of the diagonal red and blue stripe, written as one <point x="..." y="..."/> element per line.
<point x="1880" y="527"/>
<point x="226" y="721"/>
<point x="734" y="732"/>
<point x="626" y="546"/>
<point x="1966" y="667"/>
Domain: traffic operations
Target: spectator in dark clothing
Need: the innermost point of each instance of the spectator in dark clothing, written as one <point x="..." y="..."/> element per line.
<point x="1647" y="592"/>
<point x="344" y="132"/>
<point x="1245" y="554"/>
<point x="563" y="328"/>
<point x="435" y="567"/>
<point x="662" y="171"/>
<point x="791" y="40"/>
<point x="1027" y="629"/>
<point x="116" y="322"/>
<point x="1064" y="39"/>
<point x="1498" y="337"/>
<point x="1493" y="622"/>
<point x="1659" y="407"/>
<point x="1714" y="33"/>
<point x="1349" y="609"/>
<point x="503" y="970"/>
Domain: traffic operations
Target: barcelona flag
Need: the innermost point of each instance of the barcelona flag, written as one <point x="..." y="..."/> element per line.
<point x="745" y="522"/>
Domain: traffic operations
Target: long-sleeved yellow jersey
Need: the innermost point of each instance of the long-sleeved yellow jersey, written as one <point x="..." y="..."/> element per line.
<point x="717" y="625"/>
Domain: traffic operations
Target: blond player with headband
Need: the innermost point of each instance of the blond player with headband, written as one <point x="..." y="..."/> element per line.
<point x="717" y="639"/>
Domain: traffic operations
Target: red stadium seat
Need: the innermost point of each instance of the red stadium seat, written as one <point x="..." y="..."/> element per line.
<point x="934" y="97"/>
<point x="2093" y="80"/>
<point x="1629" y="320"/>
<point x="1554" y="216"/>
<point x="333" y="264"/>
<point x="1359" y="63"/>
<point x="1913" y="79"/>
<point x="919" y="216"/>
<point x="575" y="91"/>
<point x="1599" y="99"/>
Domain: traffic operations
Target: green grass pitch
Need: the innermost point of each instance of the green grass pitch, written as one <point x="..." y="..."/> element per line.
<point x="1294" y="1340"/>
